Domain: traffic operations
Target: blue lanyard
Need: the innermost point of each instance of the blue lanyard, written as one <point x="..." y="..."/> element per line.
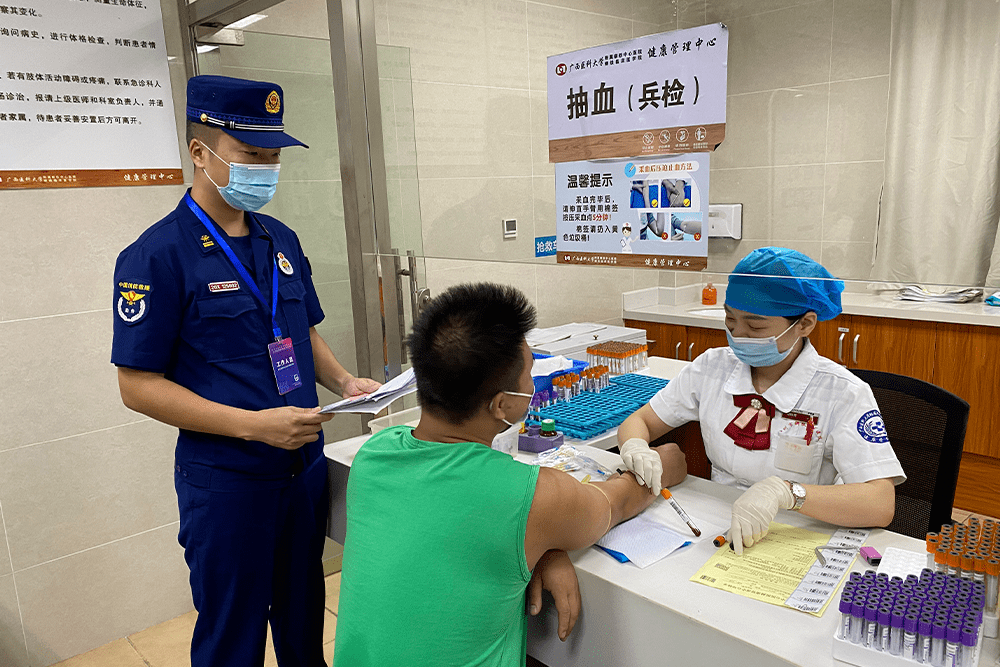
<point x="238" y="265"/>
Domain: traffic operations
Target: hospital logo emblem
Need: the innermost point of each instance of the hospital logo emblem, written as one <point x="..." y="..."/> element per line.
<point x="132" y="304"/>
<point x="273" y="104"/>
<point x="284" y="264"/>
<point x="872" y="428"/>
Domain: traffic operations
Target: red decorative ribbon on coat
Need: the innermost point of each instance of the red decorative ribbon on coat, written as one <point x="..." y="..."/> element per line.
<point x="751" y="428"/>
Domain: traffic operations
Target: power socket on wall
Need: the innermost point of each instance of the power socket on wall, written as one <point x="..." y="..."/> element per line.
<point x="509" y="227"/>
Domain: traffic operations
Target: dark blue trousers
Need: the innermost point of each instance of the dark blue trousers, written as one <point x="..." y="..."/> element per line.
<point x="255" y="551"/>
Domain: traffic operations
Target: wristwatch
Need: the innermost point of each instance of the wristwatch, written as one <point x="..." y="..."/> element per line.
<point x="798" y="492"/>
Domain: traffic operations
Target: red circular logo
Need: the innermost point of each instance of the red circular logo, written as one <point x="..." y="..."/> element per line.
<point x="697" y="237"/>
<point x="665" y="236"/>
<point x="560" y="69"/>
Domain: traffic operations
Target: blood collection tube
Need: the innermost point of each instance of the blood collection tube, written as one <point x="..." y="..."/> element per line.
<point x="941" y="559"/>
<point x="857" y="622"/>
<point x="969" y="637"/>
<point x="871" y="626"/>
<point x="954" y="562"/>
<point x="924" y="631"/>
<point x="910" y="637"/>
<point x="932" y="543"/>
<point x="967" y="562"/>
<point x="883" y="629"/>
<point x="939" y="633"/>
<point x="992" y="574"/>
<point x="845" y="617"/>
<point x="896" y="633"/>
<point x="953" y="644"/>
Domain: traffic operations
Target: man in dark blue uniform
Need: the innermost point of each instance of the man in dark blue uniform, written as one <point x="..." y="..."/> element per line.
<point x="215" y="314"/>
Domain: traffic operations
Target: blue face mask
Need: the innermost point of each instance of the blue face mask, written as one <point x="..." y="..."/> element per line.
<point x="251" y="186"/>
<point x="759" y="352"/>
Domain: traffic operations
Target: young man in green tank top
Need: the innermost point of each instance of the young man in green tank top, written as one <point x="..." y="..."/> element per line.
<point x="445" y="534"/>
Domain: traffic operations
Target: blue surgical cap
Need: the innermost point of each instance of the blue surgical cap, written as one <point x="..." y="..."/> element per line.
<point x="754" y="288"/>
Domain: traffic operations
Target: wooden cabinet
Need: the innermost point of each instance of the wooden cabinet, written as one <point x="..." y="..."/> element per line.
<point x="665" y="340"/>
<point x="905" y="347"/>
<point x="967" y="363"/>
<point x="700" y="339"/>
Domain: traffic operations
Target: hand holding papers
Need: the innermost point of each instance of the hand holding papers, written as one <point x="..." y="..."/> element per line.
<point x="401" y="385"/>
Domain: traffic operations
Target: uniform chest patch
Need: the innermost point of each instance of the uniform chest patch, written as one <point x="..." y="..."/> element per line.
<point x="133" y="302"/>
<point x="224" y="286"/>
<point x="872" y="428"/>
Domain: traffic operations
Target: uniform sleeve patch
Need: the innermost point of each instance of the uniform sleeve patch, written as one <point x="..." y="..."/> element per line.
<point x="133" y="300"/>
<point x="872" y="428"/>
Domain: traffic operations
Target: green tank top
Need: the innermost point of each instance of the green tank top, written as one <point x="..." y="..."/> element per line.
<point x="434" y="567"/>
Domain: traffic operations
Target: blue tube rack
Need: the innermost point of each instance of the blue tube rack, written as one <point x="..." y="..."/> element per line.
<point x="589" y="414"/>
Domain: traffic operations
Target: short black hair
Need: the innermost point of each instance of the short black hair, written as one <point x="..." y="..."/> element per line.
<point x="467" y="345"/>
<point x="203" y="133"/>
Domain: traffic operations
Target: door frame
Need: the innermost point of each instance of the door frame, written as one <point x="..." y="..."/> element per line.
<point x="375" y="300"/>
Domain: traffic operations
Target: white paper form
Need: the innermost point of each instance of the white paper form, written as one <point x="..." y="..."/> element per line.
<point x="401" y="385"/>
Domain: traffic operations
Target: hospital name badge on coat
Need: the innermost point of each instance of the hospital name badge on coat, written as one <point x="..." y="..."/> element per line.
<point x="286" y="369"/>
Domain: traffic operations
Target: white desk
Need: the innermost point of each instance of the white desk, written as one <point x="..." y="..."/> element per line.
<point x="656" y="616"/>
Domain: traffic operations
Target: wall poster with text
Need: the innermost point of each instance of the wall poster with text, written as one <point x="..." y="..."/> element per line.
<point x="85" y="96"/>
<point x="644" y="212"/>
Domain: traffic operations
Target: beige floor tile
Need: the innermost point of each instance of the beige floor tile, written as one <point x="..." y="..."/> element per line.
<point x="328" y="652"/>
<point x="959" y="516"/>
<point x="167" y="644"/>
<point x="333" y="592"/>
<point x="118" y="653"/>
<point x="329" y="627"/>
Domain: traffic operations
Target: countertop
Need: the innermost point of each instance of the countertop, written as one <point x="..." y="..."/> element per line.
<point x="653" y="305"/>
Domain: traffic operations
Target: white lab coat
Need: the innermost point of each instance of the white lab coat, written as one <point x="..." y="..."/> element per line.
<point x="849" y="445"/>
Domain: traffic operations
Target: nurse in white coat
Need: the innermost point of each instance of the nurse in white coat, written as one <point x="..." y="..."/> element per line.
<point x="796" y="430"/>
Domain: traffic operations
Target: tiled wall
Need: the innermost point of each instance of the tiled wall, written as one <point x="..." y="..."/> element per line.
<point x="805" y="133"/>
<point x="88" y="518"/>
<point x="808" y="87"/>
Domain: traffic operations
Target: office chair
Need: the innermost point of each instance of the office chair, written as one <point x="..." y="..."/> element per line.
<point x="926" y="428"/>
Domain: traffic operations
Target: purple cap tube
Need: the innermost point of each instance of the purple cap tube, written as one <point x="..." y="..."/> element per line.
<point x="855" y="577"/>
<point x="898" y="618"/>
<point x="845" y="605"/>
<point x="871" y="613"/>
<point x="978" y="601"/>
<point x="884" y="616"/>
<point x="969" y="637"/>
<point x="924" y="627"/>
<point x="939" y="630"/>
<point x="857" y="609"/>
<point x="910" y="623"/>
<point x="955" y="633"/>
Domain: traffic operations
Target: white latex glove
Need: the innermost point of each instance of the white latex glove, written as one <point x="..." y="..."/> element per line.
<point x="756" y="508"/>
<point x="643" y="461"/>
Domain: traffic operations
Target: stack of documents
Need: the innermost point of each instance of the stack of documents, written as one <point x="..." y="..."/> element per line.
<point x="918" y="293"/>
<point x="401" y="385"/>
<point x="537" y="337"/>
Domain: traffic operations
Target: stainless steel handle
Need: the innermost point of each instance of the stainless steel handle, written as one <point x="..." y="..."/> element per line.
<point x="650" y="342"/>
<point x="856" y="348"/>
<point x="677" y="351"/>
<point x="691" y="352"/>
<point x="840" y="348"/>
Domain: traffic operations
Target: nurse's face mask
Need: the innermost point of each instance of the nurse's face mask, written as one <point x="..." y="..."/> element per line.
<point x="760" y="352"/>
<point x="250" y="187"/>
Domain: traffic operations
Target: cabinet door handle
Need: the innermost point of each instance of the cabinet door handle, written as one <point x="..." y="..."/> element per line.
<point x="650" y="342"/>
<point x="840" y="348"/>
<point x="677" y="351"/>
<point x="856" y="348"/>
<point x="690" y="352"/>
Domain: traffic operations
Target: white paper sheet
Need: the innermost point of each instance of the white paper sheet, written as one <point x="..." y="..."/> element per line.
<point x="537" y="337"/>
<point x="401" y="385"/>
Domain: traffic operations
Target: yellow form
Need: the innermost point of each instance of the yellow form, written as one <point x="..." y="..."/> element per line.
<point x="774" y="569"/>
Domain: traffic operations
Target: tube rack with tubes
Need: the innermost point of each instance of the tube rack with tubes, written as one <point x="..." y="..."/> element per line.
<point x="935" y="619"/>
<point x="618" y="356"/>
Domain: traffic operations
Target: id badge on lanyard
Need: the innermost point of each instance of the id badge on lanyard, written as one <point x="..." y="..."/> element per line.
<point x="281" y="352"/>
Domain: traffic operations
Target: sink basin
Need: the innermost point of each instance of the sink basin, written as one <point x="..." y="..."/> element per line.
<point x="717" y="313"/>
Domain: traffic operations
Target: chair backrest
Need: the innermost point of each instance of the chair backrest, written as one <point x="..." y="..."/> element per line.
<point x="926" y="428"/>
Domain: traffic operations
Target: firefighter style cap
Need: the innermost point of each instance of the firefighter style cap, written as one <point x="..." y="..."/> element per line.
<point x="250" y="111"/>
<point x="780" y="281"/>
